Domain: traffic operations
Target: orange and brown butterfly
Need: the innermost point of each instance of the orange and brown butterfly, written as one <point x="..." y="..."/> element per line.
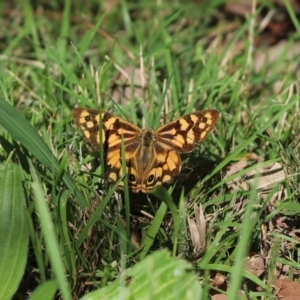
<point x="151" y="156"/>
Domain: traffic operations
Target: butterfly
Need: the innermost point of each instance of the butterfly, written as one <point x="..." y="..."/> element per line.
<point x="151" y="156"/>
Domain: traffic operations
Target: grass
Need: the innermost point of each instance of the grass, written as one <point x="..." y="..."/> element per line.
<point x="83" y="234"/>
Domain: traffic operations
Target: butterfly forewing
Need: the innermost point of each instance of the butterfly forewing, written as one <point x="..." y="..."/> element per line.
<point x="88" y="121"/>
<point x="183" y="133"/>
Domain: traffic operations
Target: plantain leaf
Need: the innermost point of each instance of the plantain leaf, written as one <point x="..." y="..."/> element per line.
<point x="158" y="276"/>
<point x="14" y="234"/>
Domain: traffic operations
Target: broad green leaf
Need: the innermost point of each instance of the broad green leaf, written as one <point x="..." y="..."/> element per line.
<point x="14" y="235"/>
<point x="158" y="276"/>
<point x="45" y="291"/>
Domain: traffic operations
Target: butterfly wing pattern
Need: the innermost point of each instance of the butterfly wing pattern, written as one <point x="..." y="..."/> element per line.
<point x="151" y="156"/>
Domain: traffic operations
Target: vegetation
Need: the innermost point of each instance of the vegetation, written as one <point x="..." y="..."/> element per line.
<point x="228" y="224"/>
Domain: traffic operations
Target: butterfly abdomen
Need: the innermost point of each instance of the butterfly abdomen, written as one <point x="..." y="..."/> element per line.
<point x="147" y="140"/>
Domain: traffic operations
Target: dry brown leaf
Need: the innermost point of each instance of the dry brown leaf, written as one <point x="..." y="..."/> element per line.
<point x="272" y="54"/>
<point x="295" y="234"/>
<point x="240" y="8"/>
<point x="264" y="234"/>
<point x="134" y="237"/>
<point x="260" y="178"/>
<point x="197" y="228"/>
<point x="218" y="280"/>
<point x="110" y="6"/>
<point x="219" y="297"/>
<point x="236" y="167"/>
<point x="130" y="83"/>
<point x="294" y="4"/>
<point x="255" y="264"/>
<point x="268" y="176"/>
<point x="287" y="289"/>
<point x="279" y="222"/>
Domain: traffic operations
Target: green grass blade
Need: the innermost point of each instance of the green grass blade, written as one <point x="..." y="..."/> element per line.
<point x="22" y="131"/>
<point x="48" y="230"/>
<point x="250" y="140"/>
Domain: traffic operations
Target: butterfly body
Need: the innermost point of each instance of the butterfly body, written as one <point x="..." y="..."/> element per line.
<point x="151" y="157"/>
